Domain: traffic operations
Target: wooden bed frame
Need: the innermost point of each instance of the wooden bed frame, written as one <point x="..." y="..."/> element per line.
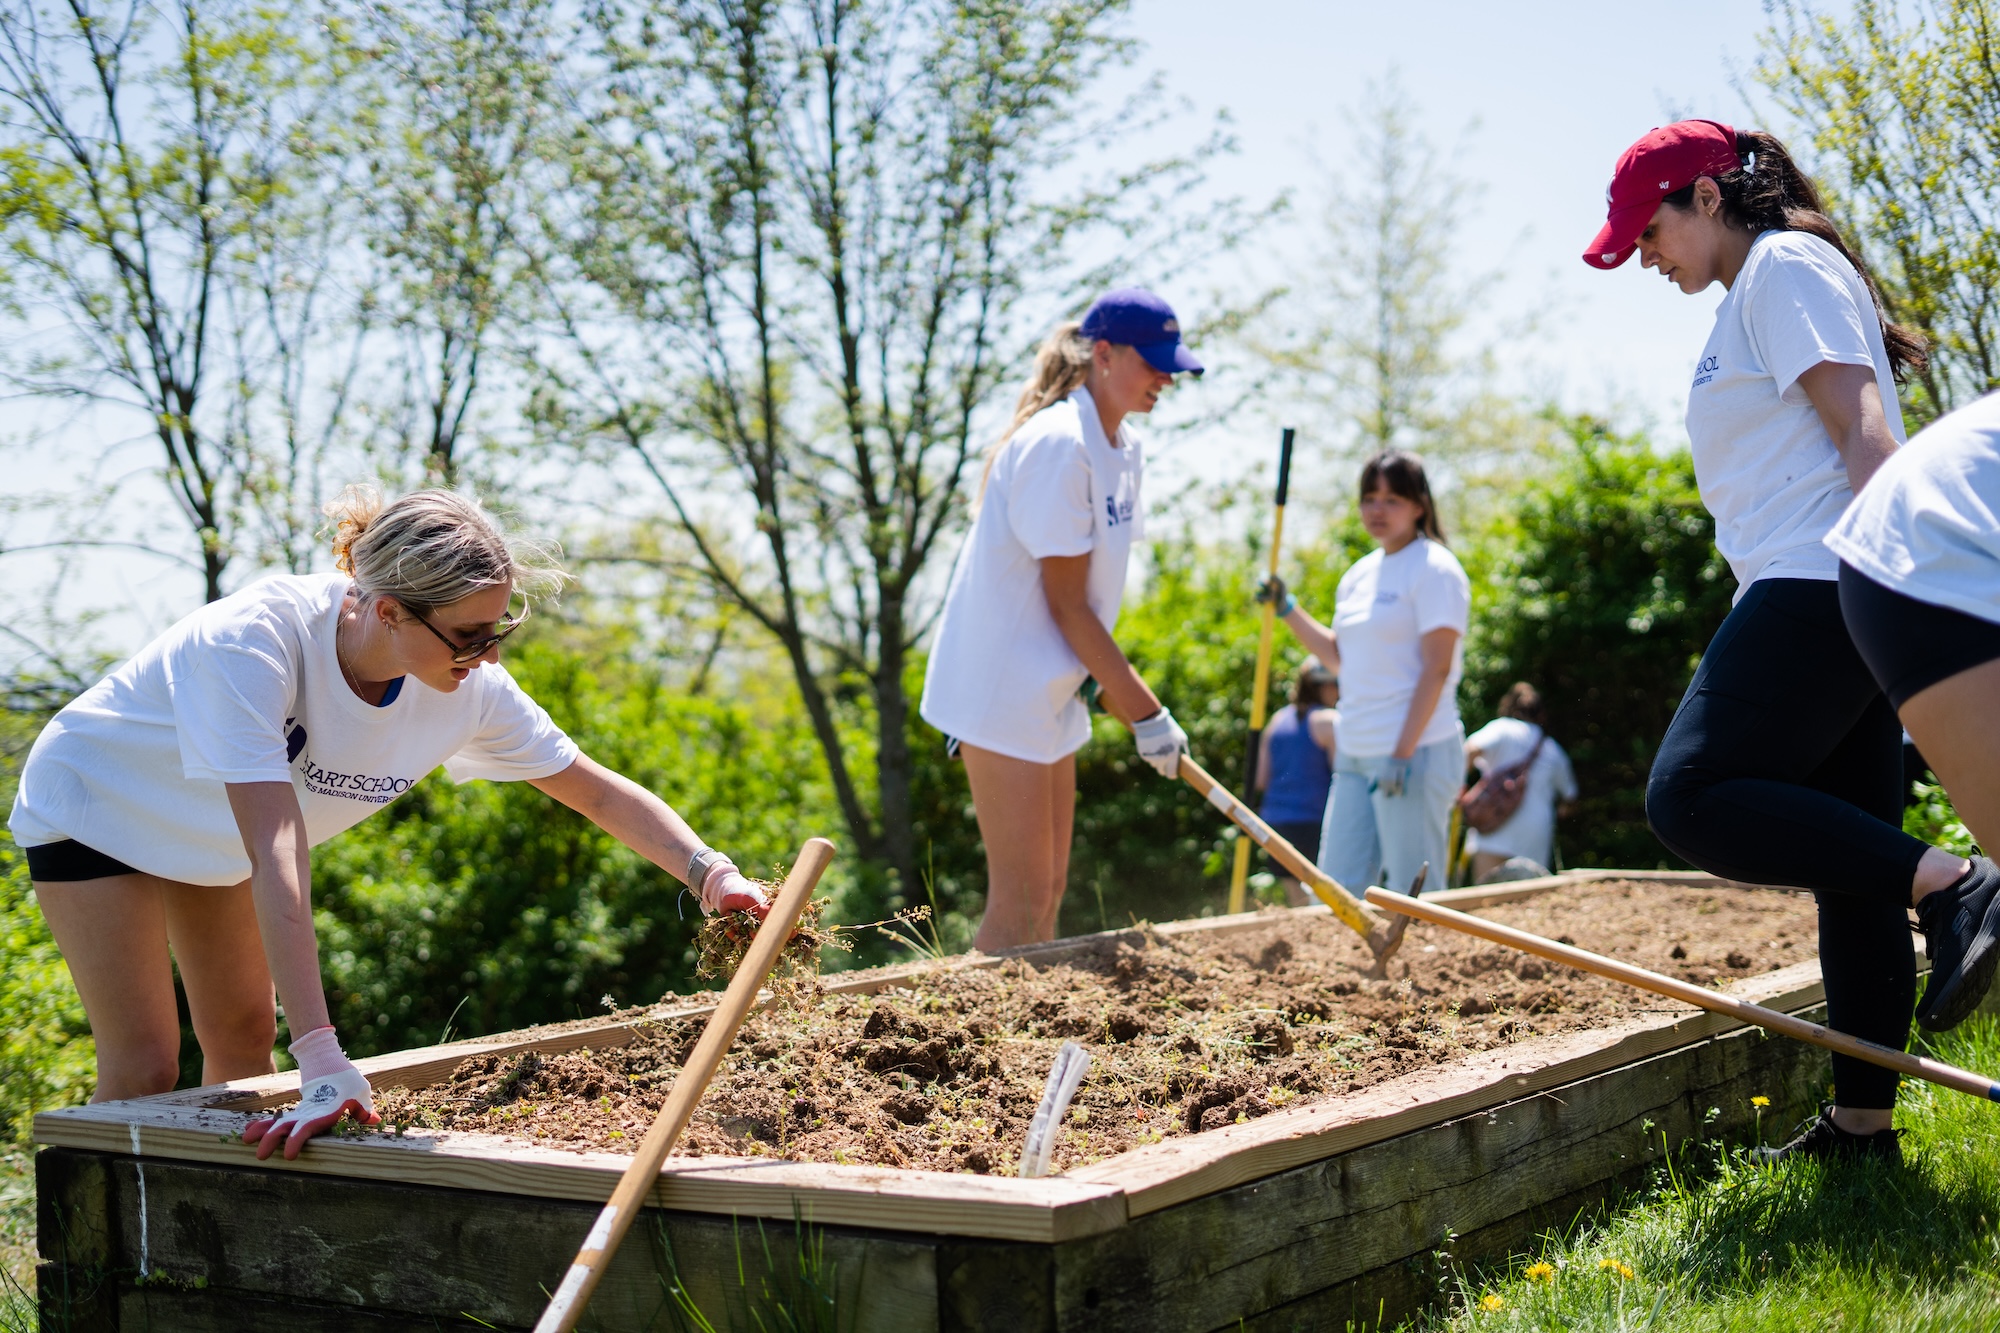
<point x="155" y="1215"/>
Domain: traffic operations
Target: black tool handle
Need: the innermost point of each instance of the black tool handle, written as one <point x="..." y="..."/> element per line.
<point x="1285" y="466"/>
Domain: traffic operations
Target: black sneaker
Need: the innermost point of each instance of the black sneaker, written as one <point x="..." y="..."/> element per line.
<point x="1822" y="1140"/>
<point x="1961" y="925"/>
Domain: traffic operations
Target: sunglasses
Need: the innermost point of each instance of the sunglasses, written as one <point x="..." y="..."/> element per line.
<point x="462" y="653"/>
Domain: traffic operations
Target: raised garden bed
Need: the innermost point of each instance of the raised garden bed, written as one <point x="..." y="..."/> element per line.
<point x="1266" y="1137"/>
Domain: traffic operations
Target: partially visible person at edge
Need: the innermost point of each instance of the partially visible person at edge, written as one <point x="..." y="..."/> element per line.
<point x="1397" y="645"/>
<point x="1783" y="764"/>
<point x="170" y="808"/>
<point x="1295" y="768"/>
<point x="1920" y="591"/>
<point x="1520" y="736"/>
<point x="1029" y="612"/>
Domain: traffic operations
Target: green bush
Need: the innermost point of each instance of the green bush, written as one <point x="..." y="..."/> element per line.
<point x="489" y="906"/>
<point x="1602" y="586"/>
<point x="46" y="1055"/>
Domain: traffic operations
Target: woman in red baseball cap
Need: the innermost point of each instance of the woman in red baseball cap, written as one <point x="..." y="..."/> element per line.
<point x="1034" y="597"/>
<point x="1782" y="765"/>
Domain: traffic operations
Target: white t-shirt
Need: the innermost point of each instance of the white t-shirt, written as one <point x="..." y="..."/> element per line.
<point x="1928" y="523"/>
<point x="1767" y="469"/>
<point x="1384" y="607"/>
<point x="1531" y="832"/>
<point x="1001" y="675"/>
<point x="247" y="689"/>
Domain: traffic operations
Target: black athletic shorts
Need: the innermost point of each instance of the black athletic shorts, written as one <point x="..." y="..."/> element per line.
<point x="1910" y="645"/>
<point x="61" y="862"/>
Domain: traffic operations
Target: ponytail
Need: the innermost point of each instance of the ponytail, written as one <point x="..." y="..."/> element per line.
<point x="1770" y="193"/>
<point x="1062" y="363"/>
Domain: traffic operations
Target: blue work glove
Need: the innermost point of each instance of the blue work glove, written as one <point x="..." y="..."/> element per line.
<point x="1395" y="777"/>
<point x="1273" y="590"/>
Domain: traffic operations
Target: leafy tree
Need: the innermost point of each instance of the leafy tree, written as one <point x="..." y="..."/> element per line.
<point x="1901" y="104"/>
<point x="467" y="96"/>
<point x="152" y="162"/>
<point x="815" y="237"/>
<point x="1387" y="349"/>
<point x="1601" y="587"/>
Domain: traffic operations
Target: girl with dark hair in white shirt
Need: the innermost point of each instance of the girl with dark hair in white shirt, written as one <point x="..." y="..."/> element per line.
<point x="170" y="809"/>
<point x="1397" y="642"/>
<point x="1784" y="762"/>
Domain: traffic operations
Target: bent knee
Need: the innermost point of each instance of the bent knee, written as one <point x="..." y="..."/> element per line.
<point x="1670" y="802"/>
<point x="142" y="1072"/>
<point x="238" y="1037"/>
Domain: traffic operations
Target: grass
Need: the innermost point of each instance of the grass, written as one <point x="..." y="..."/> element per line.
<point x="17" y="1241"/>
<point x="1723" y="1247"/>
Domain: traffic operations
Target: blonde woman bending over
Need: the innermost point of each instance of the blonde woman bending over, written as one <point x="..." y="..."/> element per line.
<point x="1034" y="598"/>
<point x="169" y="810"/>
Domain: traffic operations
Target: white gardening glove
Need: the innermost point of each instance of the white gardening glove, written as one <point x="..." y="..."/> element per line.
<point x="1161" y="743"/>
<point x="724" y="888"/>
<point x="329" y="1087"/>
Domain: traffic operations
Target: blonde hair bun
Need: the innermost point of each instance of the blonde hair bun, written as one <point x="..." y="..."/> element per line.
<point x="431" y="548"/>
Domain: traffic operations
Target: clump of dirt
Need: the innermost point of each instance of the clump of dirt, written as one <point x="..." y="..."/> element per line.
<point x="1188" y="1032"/>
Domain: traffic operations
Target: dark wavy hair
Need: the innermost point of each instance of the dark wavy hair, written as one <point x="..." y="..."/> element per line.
<point x="1770" y="193"/>
<point x="1403" y="474"/>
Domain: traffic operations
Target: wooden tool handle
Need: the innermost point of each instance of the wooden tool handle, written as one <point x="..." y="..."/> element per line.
<point x="1771" y="1020"/>
<point x="1260" y="681"/>
<point x="1323" y="885"/>
<point x="567" y="1305"/>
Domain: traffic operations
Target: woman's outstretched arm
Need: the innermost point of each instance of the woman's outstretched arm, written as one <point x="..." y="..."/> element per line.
<point x="650" y="827"/>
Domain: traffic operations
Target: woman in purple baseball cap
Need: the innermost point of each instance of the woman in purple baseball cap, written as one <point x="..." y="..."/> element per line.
<point x="1034" y="597"/>
<point x="1783" y="763"/>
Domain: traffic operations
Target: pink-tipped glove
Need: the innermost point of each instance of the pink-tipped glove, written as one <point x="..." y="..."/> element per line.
<point x="329" y="1087"/>
<point x="726" y="890"/>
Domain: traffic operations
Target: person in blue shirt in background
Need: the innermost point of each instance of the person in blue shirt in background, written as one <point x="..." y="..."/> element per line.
<point x="1295" y="768"/>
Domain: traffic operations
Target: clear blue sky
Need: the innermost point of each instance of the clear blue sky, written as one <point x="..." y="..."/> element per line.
<point x="1558" y="90"/>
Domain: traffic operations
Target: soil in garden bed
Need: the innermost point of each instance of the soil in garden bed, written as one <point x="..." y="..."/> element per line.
<point x="1186" y="1032"/>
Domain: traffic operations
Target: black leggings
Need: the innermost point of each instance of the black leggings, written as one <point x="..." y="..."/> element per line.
<point x="1784" y="766"/>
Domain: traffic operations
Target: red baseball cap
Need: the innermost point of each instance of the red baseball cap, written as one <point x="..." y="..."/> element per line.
<point x="1670" y="158"/>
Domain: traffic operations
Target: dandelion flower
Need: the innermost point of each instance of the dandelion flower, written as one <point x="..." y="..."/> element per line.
<point x="1614" y="1266"/>
<point x="1491" y="1301"/>
<point x="1541" y="1272"/>
<point x="1760" y="1102"/>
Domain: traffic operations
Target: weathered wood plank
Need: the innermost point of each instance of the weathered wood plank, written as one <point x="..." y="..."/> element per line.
<point x="1336" y="1237"/>
<point x="452" y="1255"/>
<point x="1002" y="1207"/>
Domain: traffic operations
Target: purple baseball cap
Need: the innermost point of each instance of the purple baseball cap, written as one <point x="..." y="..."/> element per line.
<point x="1142" y="321"/>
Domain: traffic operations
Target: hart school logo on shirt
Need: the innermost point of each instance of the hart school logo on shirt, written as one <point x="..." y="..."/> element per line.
<point x="354" y="786"/>
<point x="1117" y="510"/>
<point x="1705" y="372"/>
